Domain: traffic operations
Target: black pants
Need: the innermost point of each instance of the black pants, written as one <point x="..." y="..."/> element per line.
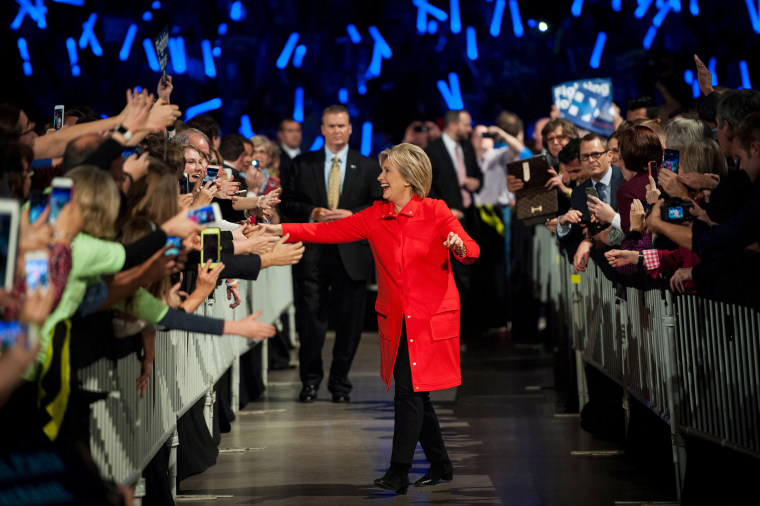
<point x="328" y="290"/>
<point x="414" y="416"/>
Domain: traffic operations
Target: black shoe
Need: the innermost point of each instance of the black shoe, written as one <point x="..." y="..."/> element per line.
<point x="308" y="394"/>
<point x="437" y="472"/>
<point x="341" y="398"/>
<point x="395" y="480"/>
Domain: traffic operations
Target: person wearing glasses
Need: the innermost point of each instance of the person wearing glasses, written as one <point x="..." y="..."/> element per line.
<point x="606" y="179"/>
<point x="556" y="134"/>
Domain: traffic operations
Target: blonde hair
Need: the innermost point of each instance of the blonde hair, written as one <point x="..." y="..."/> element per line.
<point x="154" y="197"/>
<point x="413" y="165"/>
<point x="99" y="199"/>
<point x="704" y="157"/>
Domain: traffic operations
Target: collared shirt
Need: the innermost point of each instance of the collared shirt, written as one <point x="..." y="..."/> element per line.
<point x="494" y="168"/>
<point x="451" y="147"/>
<point x="292" y="153"/>
<point x="342" y="157"/>
<point x="563" y="230"/>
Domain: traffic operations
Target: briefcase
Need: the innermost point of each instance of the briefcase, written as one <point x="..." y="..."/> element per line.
<point x="534" y="203"/>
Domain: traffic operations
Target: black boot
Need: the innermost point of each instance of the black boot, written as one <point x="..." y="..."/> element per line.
<point x="438" y="471"/>
<point x="396" y="478"/>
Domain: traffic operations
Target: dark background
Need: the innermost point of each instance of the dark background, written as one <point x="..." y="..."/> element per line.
<point x="510" y="72"/>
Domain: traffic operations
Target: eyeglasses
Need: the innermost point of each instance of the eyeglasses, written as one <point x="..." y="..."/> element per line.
<point x="557" y="138"/>
<point x="31" y="129"/>
<point x="595" y="156"/>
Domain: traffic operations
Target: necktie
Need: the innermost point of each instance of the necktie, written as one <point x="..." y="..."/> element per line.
<point x="601" y="190"/>
<point x="461" y="175"/>
<point x="333" y="184"/>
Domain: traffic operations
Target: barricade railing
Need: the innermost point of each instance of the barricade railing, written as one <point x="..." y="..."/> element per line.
<point x="127" y="431"/>
<point x="693" y="362"/>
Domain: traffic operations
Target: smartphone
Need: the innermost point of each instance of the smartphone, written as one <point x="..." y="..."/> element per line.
<point x="174" y="243"/>
<point x="9" y="222"/>
<point x="591" y="192"/>
<point x="421" y="128"/>
<point x="652" y="168"/>
<point x="670" y="161"/>
<point x="210" y="248"/>
<point x="207" y="215"/>
<point x="38" y="201"/>
<point x="212" y="172"/>
<point x="36" y="267"/>
<point x="132" y="150"/>
<point x="58" y="117"/>
<point x="11" y="332"/>
<point x="184" y="184"/>
<point x="488" y="135"/>
<point x="60" y="196"/>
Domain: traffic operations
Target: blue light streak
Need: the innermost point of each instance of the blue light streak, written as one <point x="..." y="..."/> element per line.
<point x="318" y="143"/>
<point x="642" y="8"/>
<point x="711" y="67"/>
<point x="472" y="44"/>
<point x="222" y="30"/>
<point x="217" y="52"/>
<point x="209" y="105"/>
<point x="290" y="45"/>
<point x="23" y="50"/>
<point x="660" y="16"/>
<point x="155" y="5"/>
<point x="498" y="15"/>
<point x="456" y="20"/>
<point x="753" y="15"/>
<point x="423" y="9"/>
<point x="236" y="11"/>
<point x="451" y="92"/>
<point x="366" y="148"/>
<point x="695" y="91"/>
<point x="688" y="76"/>
<point x="88" y="36"/>
<point x="245" y="128"/>
<point x="379" y="51"/>
<point x="208" y="59"/>
<point x="75" y="3"/>
<point x="298" y="105"/>
<point x="71" y="46"/>
<point x="577" y="7"/>
<point x="150" y="52"/>
<point x="517" y="26"/>
<point x="126" y="47"/>
<point x="617" y="5"/>
<point x="343" y="96"/>
<point x="298" y="55"/>
<point x="147" y="16"/>
<point x="37" y="13"/>
<point x="353" y="34"/>
<point x="177" y="54"/>
<point x="596" y="55"/>
<point x="694" y="8"/>
<point x="744" y="71"/>
<point x="675" y="5"/>
<point x="649" y="37"/>
<point x="432" y="26"/>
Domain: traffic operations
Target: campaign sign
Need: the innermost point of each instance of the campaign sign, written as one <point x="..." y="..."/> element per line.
<point x="587" y="103"/>
<point x="161" y="42"/>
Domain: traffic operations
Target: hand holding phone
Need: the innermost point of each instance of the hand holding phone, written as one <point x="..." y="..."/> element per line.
<point x="212" y="172"/>
<point x="206" y="215"/>
<point x="60" y="196"/>
<point x="174" y="243"/>
<point x="58" y="117"/>
<point x="210" y="247"/>
<point x="36" y="268"/>
<point x="591" y="192"/>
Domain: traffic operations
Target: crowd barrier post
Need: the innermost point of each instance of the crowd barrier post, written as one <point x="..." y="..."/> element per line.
<point x="208" y="409"/>
<point x="173" y="443"/>
<point x="235" y="385"/>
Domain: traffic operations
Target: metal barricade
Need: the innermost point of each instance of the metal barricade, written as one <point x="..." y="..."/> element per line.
<point x="693" y="362"/>
<point x="126" y="431"/>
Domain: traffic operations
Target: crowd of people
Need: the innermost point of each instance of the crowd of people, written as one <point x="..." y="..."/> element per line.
<point x="660" y="199"/>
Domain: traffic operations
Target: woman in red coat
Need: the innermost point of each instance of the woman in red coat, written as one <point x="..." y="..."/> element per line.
<point x="417" y="301"/>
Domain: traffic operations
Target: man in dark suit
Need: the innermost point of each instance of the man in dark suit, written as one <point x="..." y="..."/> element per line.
<point x="456" y="176"/>
<point x="328" y="185"/>
<point x="606" y="179"/>
<point x="289" y="138"/>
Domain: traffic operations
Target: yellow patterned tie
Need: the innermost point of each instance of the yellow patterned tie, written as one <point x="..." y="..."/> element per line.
<point x="333" y="186"/>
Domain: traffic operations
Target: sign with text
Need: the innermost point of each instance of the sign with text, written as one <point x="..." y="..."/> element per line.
<point x="161" y="43"/>
<point x="587" y="103"/>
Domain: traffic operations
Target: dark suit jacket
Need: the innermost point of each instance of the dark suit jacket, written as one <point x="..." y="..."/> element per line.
<point x="305" y="189"/>
<point x="579" y="202"/>
<point x="285" y="163"/>
<point x="445" y="182"/>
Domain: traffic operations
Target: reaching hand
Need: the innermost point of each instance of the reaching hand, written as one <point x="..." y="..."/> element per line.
<point x="603" y="212"/>
<point x="621" y="257"/>
<point x="205" y="195"/>
<point x="704" y="77"/>
<point x="572" y="216"/>
<point x="669" y="182"/>
<point x="679" y="277"/>
<point x="580" y="261"/>
<point x="653" y="194"/>
<point x="233" y="293"/>
<point x="164" y="90"/>
<point x="162" y="114"/>
<point x="250" y="327"/>
<point x="638" y="216"/>
<point x="455" y="243"/>
<point x="514" y="184"/>
<point x="283" y="254"/>
<point x="136" y="166"/>
<point x="180" y="226"/>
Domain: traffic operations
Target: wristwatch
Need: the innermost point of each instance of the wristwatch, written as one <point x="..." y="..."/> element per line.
<point x="123" y="131"/>
<point x="641" y="259"/>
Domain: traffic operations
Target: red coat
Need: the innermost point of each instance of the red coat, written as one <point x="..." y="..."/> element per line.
<point x="414" y="280"/>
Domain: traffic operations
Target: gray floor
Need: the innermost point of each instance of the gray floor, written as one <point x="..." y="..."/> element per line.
<point x="502" y="428"/>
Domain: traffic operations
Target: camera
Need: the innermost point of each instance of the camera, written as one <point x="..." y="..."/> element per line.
<point x="488" y="135"/>
<point x="676" y="210"/>
<point x="421" y="128"/>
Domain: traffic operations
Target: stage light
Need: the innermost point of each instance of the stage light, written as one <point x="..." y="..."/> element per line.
<point x="472" y="43"/>
<point x="23" y="50"/>
<point x="126" y="47"/>
<point x="451" y="92"/>
<point x="688" y="76"/>
<point x="208" y="59"/>
<point x="150" y="52"/>
<point x="596" y="55"/>
<point x="353" y="34"/>
<point x="744" y="71"/>
<point x="366" y="138"/>
<point x="343" y="96"/>
<point x="542" y="26"/>
<point x="147" y="16"/>
<point x="423" y="9"/>
<point x="209" y="105"/>
<point x="298" y="55"/>
<point x="177" y="54"/>
<point x="576" y="8"/>
<point x="298" y="105"/>
<point x="517" y="27"/>
<point x="290" y="45"/>
<point x="36" y="12"/>
<point x="456" y="20"/>
<point x="88" y="36"/>
<point x="222" y="30"/>
<point x="245" y="128"/>
<point x="71" y="46"/>
<point x="498" y="15"/>
<point x="318" y="143"/>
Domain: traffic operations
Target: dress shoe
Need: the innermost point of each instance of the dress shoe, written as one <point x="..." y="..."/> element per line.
<point x="341" y="398"/>
<point x="395" y="480"/>
<point x="437" y="472"/>
<point x="308" y="394"/>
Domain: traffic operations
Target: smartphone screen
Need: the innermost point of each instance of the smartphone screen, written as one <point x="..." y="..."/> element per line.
<point x="202" y="215"/>
<point x="591" y="192"/>
<point x="212" y="172"/>
<point x="670" y="161"/>
<point x="210" y="248"/>
<point x="37" y="203"/>
<point x="58" y="117"/>
<point x="37" y="273"/>
<point x="184" y="184"/>
<point x="11" y="332"/>
<point x="174" y="243"/>
<point x="59" y="197"/>
<point x="675" y="212"/>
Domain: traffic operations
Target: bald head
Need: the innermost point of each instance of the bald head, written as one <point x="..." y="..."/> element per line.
<point x="79" y="149"/>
